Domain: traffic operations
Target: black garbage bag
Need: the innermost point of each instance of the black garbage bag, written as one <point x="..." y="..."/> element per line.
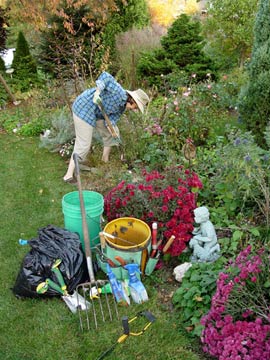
<point x="51" y="244"/>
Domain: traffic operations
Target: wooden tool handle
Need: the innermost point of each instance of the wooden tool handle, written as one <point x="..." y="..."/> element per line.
<point x="108" y="122"/>
<point x="168" y="244"/>
<point x="102" y="240"/>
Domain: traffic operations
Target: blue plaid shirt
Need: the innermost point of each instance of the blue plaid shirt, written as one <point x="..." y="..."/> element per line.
<point x="113" y="96"/>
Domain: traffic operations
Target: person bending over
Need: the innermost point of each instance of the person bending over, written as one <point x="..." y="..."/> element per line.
<point x="87" y="115"/>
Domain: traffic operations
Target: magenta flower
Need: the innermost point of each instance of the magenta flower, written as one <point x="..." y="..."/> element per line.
<point x="238" y="323"/>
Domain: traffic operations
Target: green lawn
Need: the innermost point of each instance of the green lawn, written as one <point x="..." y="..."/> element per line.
<point x="31" y="193"/>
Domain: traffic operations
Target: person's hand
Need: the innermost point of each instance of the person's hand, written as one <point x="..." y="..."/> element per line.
<point x="96" y="98"/>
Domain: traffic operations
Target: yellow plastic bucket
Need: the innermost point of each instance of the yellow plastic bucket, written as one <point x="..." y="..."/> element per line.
<point x="133" y="246"/>
<point x="136" y="234"/>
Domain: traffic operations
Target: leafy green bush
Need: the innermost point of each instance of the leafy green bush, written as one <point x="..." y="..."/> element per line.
<point x="25" y="121"/>
<point x="193" y="298"/>
<point x="33" y="128"/>
<point x="238" y="237"/>
<point x="192" y="111"/>
<point x="236" y="177"/>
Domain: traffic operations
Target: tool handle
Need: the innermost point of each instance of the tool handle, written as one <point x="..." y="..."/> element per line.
<point x="102" y="240"/>
<point x="154" y="234"/>
<point x="120" y="260"/>
<point x="122" y="338"/>
<point x="60" y="278"/>
<point x="88" y="253"/>
<point x="168" y="244"/>
<point x="42" y="288"/>
<point x="111" y="263"/>
<point x="108" y="122"/>
<point x="154" y="240"/>
<point x="125" y="325"/>
<point x="156" y="252"/>
<point x="54" y="286"/>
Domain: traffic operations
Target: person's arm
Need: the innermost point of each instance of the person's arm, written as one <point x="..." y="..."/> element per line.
<point x="104" y="81"/>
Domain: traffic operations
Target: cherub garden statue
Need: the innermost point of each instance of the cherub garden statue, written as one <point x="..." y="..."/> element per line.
<point x="204" y="242"/>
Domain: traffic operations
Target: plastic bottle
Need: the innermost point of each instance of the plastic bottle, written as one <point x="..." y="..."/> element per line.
<point x="117" y="288"/>
<point x="137" y="289"/>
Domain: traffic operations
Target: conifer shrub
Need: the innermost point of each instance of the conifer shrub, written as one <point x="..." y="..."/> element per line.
<point x="182" y="49"/>
<point x="255" y="94"/>
<point x="25" y="70"/>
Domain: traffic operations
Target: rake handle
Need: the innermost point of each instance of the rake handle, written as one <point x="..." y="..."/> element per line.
<point x="87" y="248"/>
<point x="108" y="122"/>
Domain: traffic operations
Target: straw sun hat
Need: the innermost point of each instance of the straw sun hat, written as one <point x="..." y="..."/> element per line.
<point x="140" y="97"/>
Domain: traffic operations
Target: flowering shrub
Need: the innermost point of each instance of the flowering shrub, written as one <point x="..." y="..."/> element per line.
<point x="154" y="129"/>
<point x="238" y="324"/>
<point x="168" y="199"/>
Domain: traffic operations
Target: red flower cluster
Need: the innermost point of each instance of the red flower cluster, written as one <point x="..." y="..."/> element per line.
<point x="168" y="199"/>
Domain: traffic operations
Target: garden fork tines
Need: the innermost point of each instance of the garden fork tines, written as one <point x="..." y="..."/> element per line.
<point x="96" y="311"/>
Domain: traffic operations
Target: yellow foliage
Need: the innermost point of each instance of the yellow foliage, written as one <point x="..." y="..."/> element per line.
<point x="164" y="12"/>
<point x="192" y="7"/>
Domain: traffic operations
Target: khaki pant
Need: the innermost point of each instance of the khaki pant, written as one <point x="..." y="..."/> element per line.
<point x="83" y="141"/>
<point x="84" y="134"/>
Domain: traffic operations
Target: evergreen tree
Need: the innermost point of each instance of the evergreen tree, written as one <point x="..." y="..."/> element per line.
<point x="3" y="28"/>
<point x="132" y="14"/>
<point x="254" y="97"/>
<point x="24" y="65"/>
<point x="183" y="42"/>
<point x="182" y="50"/>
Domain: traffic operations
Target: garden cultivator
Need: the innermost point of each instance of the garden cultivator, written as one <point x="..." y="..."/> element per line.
<point x="102" y="307"/>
